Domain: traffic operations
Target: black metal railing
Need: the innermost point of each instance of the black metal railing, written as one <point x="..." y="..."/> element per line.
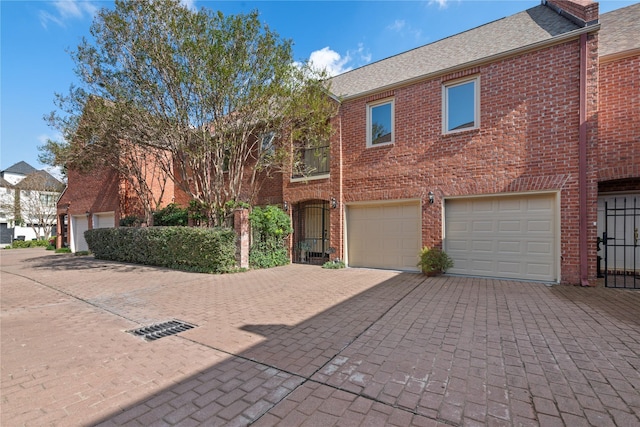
<point x="312" y="161"/>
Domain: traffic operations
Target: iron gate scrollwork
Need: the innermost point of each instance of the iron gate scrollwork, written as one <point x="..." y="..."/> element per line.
<point x="311" y="232"/>
<point x="620" y="243"/>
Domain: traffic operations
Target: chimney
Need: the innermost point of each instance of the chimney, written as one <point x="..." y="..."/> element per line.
<point x="580" y="12"/>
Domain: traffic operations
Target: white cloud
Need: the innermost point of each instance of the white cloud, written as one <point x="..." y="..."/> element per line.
<point x="329" y="60"/>
<point x="189" y="4"/>
<point x="66" y="10"/>
<point x="334" y="63"/>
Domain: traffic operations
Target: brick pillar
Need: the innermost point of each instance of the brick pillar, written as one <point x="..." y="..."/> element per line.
<point x="241" y="227"/>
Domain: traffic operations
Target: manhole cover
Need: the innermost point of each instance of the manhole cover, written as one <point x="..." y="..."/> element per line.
<point x="161" y="330"/>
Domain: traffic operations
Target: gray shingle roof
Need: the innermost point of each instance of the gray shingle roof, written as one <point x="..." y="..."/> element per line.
<point x="620" y="30"/>
<point x="20" y="168"/>
<point x="531" y="26"/>
<point x="40" y="180"/>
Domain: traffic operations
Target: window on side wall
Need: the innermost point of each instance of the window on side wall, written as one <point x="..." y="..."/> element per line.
<point x="461" y="105"/>
<point x="380" y="128"/>
<point x="266" y="145"/>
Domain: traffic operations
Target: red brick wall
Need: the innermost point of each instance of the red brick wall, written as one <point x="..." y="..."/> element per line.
<point x="97" y="191"/>
<point x="585" y="10"/>
<point x="619" y="119"/>
<point x="527" y="141"/>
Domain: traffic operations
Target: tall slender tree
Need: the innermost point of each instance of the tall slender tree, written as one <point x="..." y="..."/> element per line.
<point x="199" y="85"/>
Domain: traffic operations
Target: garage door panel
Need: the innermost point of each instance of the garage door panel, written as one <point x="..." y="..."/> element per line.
<point x="509" y="226"/>
<point x="482" y="226"/>
<point x="542" y="248"/>
<point x="482" y="245"/>
<point x="539" y="226"/>
<point x="384" y="235"/>
<point x="504" y="236"/>
<point x="510" y="205"/>
<point x="509" y="247"/>
<point x="481" y="207"/>
<point x="538" y="269"/>
<point x="482" y="265"/>
<point x="506" y="267"/>
<point x="541" y="204"/>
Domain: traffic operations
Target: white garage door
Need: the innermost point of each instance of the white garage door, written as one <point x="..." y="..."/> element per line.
<point x="507" y="236"/>
<point x="104" y="220"/>
<point x="384" y="235"/>
<point x="79" y="224"/>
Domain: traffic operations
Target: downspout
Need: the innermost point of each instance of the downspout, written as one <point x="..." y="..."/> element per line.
<point x="582" y="164"/>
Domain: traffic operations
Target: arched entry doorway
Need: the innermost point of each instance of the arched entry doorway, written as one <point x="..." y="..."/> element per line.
<point x="311" y="232"/>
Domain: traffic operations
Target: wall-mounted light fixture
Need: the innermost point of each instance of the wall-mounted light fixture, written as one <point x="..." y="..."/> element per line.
<point x="285" y="206"/>
<point x="334" y="203"/>
<point x="87" y="213"/>
<point x="431" y="198"/>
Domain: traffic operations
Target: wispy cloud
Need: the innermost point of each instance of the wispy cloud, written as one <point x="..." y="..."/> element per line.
<point x="64" y="11"/>
<point x="401" y="27"/>
<point x="442" y="4"/>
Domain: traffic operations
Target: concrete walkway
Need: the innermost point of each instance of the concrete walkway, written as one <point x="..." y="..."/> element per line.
<point x="299" y="345"/>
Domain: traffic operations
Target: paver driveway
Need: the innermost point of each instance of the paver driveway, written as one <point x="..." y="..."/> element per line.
<point x="299" y="345"/>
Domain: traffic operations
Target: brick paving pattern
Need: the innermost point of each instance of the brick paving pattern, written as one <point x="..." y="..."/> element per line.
<point x="299" y="345"/>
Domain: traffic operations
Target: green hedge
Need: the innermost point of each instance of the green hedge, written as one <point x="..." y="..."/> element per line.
<point x="21" y="244"/>
<point x="183" y="248"/>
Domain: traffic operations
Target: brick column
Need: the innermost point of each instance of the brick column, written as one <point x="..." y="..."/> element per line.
<point x="241" y="227"/>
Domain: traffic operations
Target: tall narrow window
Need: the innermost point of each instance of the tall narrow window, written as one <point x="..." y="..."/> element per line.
<point x="380" y="123"/>
<point x="461" y="105"/>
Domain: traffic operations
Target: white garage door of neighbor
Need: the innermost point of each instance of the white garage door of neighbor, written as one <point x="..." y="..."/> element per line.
<point x="79" y="224"/>
<point x="104" y="220"/>
<point x="510" y="237"/>
<point x="384" y="235"/>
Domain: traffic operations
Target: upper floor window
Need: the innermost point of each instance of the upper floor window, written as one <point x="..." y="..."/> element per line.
<point x="380" y="123"/>
<point x="266" y="144"/>
<point x="461" y="105"/>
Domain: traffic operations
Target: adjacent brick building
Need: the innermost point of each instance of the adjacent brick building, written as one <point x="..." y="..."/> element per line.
<point x="510" y="191"/>
<point x="500" y="144"/>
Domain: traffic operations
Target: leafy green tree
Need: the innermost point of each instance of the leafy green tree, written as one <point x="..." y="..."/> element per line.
<point x="199" y="85"/>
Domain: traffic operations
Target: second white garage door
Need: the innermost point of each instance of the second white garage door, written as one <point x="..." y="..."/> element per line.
<point x="511" y="237"/>
<point x="385" y="235"/>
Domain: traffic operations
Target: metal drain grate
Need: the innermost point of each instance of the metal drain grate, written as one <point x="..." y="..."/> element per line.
<point x="161" y="330"/>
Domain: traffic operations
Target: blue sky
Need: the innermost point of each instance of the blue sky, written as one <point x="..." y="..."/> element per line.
<point x="341" y="35"/>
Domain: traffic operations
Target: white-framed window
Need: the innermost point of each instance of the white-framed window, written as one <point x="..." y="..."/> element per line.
<point x="380" y="126"/>
<point x="461" y="105"/>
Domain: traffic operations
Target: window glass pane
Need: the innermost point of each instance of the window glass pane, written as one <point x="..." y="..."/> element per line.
<point x="381" y="124"/>
<point x="461" y="106"/>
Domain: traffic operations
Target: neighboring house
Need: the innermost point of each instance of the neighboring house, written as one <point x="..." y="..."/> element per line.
<point x="500" y="144"/>
<point x="27" y="203"/>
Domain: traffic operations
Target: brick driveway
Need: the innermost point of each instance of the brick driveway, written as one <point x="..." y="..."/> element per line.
<point x="299" y="345"/>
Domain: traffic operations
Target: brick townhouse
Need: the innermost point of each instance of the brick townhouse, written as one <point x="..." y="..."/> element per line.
<point x="500" y="144"/>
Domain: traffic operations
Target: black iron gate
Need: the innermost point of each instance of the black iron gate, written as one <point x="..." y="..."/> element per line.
<point x="311" y="232"/>
<point x="621" y="243"/>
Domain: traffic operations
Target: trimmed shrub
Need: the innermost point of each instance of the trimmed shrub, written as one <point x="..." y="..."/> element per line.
<point x="334" y="265"/>
<point x="21" y="244"/>
<point x="270" y="226"/>
<point x="203" y="250"/>
<point x="268" y="254"/>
